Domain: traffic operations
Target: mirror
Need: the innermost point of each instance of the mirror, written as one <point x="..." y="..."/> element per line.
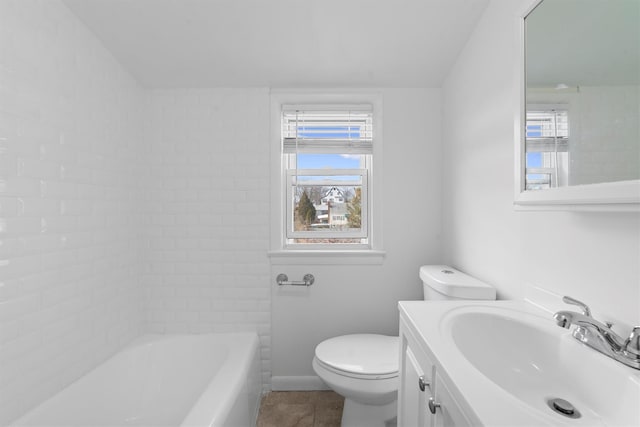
<point x="579" y="136"/>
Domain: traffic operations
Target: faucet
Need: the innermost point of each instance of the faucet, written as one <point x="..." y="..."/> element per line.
<point x="600" y="336"/>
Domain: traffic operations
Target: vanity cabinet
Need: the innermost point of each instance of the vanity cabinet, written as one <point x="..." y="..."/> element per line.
<point x="424" y="397"/>
<point x="415" y="386"/>
<point x="448" y="413"/>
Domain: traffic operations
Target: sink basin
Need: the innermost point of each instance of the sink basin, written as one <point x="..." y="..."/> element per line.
<point x="533" y="361"/>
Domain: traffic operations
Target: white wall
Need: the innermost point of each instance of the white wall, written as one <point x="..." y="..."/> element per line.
<point x="69" y="207"/>
<point x="207" y="191"/>
<point x="363" y="298"/>
<point x="591" y="256"/>
<point x="207" y="194"/>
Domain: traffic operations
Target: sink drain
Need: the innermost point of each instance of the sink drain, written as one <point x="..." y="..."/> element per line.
<point x="563" y="407"/>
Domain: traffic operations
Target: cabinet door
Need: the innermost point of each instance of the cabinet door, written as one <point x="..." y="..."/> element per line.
<point x="447" y="411"/>
<point x="415" y="388"/>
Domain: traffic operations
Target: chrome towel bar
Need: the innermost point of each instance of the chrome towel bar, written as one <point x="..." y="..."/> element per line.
<point x="283" y="280"/>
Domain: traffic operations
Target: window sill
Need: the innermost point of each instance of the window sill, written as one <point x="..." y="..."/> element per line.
<point x="327" y="257"/>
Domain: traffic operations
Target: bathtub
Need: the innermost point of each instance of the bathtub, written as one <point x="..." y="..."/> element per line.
<point x="164" y="380"/>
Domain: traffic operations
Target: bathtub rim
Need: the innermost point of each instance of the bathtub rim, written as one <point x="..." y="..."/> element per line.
<point x="241" y="357"/>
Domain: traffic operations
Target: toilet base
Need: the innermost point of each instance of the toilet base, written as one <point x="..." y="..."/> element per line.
<point x="356" y="414"/>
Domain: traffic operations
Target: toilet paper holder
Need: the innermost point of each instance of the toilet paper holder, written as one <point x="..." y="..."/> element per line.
<point x="283" y="280"/>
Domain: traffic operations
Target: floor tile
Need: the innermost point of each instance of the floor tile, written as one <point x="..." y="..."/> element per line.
<point x="301" y="409"/>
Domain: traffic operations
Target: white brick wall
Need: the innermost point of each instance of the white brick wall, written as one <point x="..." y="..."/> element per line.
<point x="70" y="127"/>
<point x="121" y="210"/>
<point x="207" y="192"/>
<point x="607" y="148"/>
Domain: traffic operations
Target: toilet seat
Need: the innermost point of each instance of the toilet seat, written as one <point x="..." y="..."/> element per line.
<point x="363" y="356"/>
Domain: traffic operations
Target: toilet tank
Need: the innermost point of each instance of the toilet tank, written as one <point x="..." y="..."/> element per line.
<point x="441" y="282"/>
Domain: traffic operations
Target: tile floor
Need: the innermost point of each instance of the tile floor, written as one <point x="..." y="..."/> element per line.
<point x="300" y="409"/>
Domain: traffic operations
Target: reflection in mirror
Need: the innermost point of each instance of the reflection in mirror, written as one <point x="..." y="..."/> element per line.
<point x="582" y="93"/>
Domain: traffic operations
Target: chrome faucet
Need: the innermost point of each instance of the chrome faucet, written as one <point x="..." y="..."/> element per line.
<point x="600" y="336"/>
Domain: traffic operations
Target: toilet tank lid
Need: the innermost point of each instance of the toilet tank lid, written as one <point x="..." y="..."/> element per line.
<point x="454" y="283"/>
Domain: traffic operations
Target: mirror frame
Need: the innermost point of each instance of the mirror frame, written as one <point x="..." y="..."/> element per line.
<point x="609" y="196"/>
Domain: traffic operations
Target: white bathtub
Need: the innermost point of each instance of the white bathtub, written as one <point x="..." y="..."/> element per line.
<point x="164" y="380"/>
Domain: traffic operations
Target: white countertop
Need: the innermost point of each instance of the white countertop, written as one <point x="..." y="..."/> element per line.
<point x="488" y="402"/>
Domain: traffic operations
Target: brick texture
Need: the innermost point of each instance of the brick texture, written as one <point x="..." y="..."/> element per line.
<point x="207" y="194"/>
<point x="122" y="210"/>
<point x="70" y="213"/>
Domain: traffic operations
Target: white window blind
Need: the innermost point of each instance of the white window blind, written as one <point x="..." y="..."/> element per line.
<point x="547" y="130"/>
<point x="339" y="130"/>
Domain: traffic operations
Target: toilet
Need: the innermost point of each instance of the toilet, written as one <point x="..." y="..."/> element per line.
<point x="363" y="368"/>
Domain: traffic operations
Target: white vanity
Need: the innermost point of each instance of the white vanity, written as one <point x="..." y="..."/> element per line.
<point x="510" y="363"/>
<point x="421" y="377"/>
<point x="505" y="363"/>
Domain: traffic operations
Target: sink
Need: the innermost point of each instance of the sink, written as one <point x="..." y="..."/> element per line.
<point x="532" y="361"/>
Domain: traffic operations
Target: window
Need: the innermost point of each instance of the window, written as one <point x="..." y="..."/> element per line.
<point x="326" y="177"/>
<point x="327" y="158"/>
<point x="547" y="146"/>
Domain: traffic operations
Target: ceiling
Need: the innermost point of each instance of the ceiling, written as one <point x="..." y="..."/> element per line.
<point x="283" y="43"/>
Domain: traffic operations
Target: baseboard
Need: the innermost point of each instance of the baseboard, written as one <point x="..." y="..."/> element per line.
<point x="299" y="383"/>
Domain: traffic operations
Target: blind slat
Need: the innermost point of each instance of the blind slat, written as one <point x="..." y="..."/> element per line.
<point x="328" y="131"/>
<point x="547" y="124"/>
<point x="325" y="146"/>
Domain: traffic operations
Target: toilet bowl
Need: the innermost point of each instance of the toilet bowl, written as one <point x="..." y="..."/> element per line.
<point x="363" y="368"/>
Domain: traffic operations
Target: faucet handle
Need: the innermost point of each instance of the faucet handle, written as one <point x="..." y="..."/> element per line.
<point x="632" y="344"/>
<point x="583" y="306"/>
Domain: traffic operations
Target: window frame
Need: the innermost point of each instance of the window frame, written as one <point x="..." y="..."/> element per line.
<point x="549" y="146"/>
<point x="282" y="252"/>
